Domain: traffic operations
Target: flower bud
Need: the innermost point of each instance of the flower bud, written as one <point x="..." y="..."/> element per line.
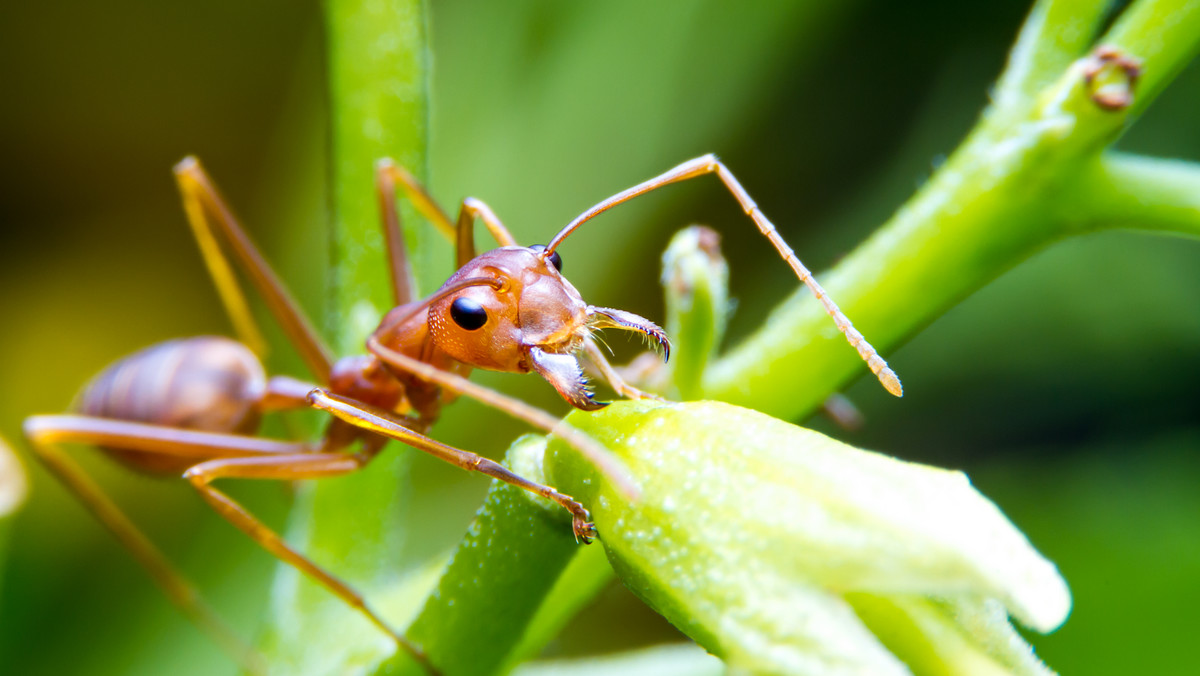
<point x="781" y="550"/>
<point x="696" y="282"/>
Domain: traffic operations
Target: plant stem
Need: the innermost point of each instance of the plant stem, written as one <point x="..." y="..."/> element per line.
<point x="378" y="69"/>
<point x="1056" y="33"/>
<point x="1138" y="193"/>
<point x="1164" y="35"/>
<point x="499" y="579"/>
<point x="379" y="107"/>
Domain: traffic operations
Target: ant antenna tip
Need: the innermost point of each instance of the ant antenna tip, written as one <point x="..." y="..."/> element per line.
<point x="891" y="382"/>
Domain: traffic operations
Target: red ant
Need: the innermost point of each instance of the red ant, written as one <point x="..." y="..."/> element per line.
<point x="193" y="405"/>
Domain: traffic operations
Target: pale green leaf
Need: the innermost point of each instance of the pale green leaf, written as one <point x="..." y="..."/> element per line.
<point x="752" y="531"/>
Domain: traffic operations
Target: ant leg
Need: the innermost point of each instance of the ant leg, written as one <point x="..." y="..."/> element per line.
<point x="209" y="216"/>
<point x="236" y="305"/>
<point x="397" y="253"/>
<point x="387" y="169"/>
<point x="388" y="173"/>
<point x="44" y="433"/>
<point x="470" y="210"/>
<point x="709" y="164"/>
<point x="293" y="467"/>
<point x="208" y="456"/>
<point x="596" y="357"/>
<point x="391" y="426"/>
<point x="285" y="393"/>
<point x="599" y="456"/>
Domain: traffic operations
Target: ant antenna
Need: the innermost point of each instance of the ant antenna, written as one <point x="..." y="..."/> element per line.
<point x="709" y="164"/>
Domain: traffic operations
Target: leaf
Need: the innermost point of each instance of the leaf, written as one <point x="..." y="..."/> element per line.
<point x="751" y="532"/>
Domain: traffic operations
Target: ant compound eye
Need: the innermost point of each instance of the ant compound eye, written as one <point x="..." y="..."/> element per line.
<point x="468" y="314"/>
<point x="555" y="259"/>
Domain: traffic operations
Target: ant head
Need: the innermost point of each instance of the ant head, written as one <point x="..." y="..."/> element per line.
<point x="519" y="314"/>
<point x="493" y="326"/>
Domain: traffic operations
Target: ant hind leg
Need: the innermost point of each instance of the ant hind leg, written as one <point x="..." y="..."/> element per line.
<point x="44" y="434"/>
<point x="293" y="467"/>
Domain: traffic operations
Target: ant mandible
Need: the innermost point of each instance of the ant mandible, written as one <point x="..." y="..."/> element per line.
<point x="193" y="405"/>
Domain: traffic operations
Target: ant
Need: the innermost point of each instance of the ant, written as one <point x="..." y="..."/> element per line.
<point x="193" y="405"/>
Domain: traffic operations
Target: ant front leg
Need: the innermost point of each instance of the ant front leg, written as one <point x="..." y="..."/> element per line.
<point x="391" y="426"/>
<point x="388" y="175"/>
<point x="465" y="244"/>
<point x="598" y="455"/>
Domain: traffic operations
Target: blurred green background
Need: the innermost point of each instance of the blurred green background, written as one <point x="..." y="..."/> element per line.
<point x="1066" y="389"/>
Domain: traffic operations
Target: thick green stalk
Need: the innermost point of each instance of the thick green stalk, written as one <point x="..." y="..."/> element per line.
<point x="994" y="202"/>
<point x="501" y="596"/>
<point x="379" y="107"/>
<point x="378" y="69"/>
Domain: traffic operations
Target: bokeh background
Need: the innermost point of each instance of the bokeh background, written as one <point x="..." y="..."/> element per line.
<point x="1066" y="389"/>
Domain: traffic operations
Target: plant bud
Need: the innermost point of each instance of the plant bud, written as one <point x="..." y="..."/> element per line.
<point x="696" y="281"/>
<point x="781" y="550"/>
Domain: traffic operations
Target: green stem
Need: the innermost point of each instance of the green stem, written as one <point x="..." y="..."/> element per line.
<point x="1165" y="35"/>
<point x="498" y="600"/>
<point x="379" y="107"/>
<point x="1138" y="193"/>
<point x="994" y="202"/>
<point x="1056" y="33"/>
<point x="378" y="69"/>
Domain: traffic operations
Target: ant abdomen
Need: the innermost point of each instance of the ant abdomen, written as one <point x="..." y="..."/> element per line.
<point x="208" y="384"/>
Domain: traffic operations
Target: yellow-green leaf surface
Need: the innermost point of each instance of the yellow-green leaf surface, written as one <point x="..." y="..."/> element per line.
<point x="752" y="532"/>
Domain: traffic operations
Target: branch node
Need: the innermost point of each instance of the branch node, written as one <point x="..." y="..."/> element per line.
<point x="1111" y="76"/>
